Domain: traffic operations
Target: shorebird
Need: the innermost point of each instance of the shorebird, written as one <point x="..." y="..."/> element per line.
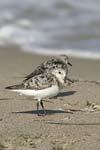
<point x="41" y="86"/>
<point x="47" y="66"/>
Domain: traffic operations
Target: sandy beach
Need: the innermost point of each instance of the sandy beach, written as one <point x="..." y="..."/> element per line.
<point x="73" y="117"/>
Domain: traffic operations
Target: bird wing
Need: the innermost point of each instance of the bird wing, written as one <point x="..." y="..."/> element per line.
<point x="37" y="71"/>
<point x="41" y="81"/>
<point x="38" y="82"/>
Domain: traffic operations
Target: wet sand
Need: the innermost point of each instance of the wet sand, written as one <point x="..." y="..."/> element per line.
<point x="73" y="118"/>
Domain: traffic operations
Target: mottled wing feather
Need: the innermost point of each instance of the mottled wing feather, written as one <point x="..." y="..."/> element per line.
<point x="40" y="82"/>
<point x="36" y="72"/>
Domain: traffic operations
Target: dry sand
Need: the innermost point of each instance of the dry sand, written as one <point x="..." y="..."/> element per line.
<point x="73" y="118"/>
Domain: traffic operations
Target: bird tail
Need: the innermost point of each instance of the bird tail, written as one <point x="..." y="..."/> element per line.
<point x="18" y="86"/>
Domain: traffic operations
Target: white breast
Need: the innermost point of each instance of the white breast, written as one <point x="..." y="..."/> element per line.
<point x="48" y="92"/>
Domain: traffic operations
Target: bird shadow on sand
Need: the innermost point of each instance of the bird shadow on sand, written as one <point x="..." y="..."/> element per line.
<point x="48" y="112"/>
<point x="4" y="99"/>
<point x="64" y="94"/>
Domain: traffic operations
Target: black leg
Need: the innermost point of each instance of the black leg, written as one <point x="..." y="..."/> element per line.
<point x="38" y="108"/>
<point x="41" y="102"/>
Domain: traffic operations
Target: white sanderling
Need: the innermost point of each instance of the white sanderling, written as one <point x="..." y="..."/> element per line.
<point x="60" y="62"/>
<point x="41" y="86"/>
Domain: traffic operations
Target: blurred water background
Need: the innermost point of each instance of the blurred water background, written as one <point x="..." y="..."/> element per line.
<point x="52" y="26"/>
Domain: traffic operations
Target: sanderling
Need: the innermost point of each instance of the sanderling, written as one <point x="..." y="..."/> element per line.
<point x="44" y="85"/>
<point x="48" y="65"/>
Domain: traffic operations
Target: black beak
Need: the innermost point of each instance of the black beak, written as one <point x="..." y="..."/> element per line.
<point x="70" y="80"/>
<point x="67" y="79"/>
<point x="69" y="64"/>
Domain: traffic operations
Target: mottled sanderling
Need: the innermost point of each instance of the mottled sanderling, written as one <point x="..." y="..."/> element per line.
<point x="60" y="62"/>
<point x="41" y="86"/>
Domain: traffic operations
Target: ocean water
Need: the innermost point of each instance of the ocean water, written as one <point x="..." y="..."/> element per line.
<point x="69" y="27"/>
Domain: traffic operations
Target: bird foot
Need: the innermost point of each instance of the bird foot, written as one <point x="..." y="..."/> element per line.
<point x="42" y="114"/>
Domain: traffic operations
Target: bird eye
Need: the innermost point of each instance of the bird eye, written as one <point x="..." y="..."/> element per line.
<point x="59" y="72"/>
